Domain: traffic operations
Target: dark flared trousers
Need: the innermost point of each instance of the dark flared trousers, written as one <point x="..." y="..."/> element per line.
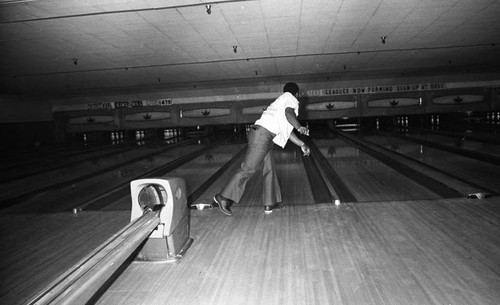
<point x="259" y="154"/>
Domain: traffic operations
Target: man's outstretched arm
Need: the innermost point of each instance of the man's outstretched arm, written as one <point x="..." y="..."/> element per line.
<point x="292" y="119"/>
<point x="297" y="141"/>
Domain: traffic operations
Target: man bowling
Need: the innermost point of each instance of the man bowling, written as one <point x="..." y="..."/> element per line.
<point x="275" y="126"/>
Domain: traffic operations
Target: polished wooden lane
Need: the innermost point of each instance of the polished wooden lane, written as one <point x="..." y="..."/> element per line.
<point x="411" y="252"/>
<point x="79" y="168"/>
<point x="194" y="172"/>
<point x="368" y="178"/>
<point x="82" y="232"/>
<point x="30" y="166"/>
<point x="291" y="175"/>
<point x="439" y="182"/>
<point x="477" y="172"/>
<point x="36" y="248"/>
<point x="60" y="195"/>
<point x="467" y="145"/>
<point x="34" y="178"/>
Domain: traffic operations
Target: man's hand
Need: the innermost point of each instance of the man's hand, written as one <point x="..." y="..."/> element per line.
<point x="305" y="150"/>
<point x="303" y="130"/>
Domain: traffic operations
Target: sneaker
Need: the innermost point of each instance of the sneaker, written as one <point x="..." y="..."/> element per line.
<point x="268" y="209"/>
<point x="223" y="203"/>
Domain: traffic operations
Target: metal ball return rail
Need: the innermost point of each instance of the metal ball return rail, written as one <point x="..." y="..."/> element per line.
<point x="159" y="229"/>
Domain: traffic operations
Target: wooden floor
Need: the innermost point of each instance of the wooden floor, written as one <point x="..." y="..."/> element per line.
<point x="37" y="248"/>
<point x="401" y="252"/>
<point x="396" y="250"/>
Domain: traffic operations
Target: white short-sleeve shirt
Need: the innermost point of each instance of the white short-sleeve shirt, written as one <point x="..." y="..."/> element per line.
<point x="274" y="118"/>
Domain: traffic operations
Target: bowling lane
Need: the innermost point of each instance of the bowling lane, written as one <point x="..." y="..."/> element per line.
<point x="461" y="143"/>
<point x="79" y="233"/>
<point x="62" y="175"/>
<point x="34" y="154"/>
<point x="478" y="172"/>
<point x="368" y="178"/>
<point x="71" y="195"/>
<point x="30" y="166"/>
<point x="37" y="248"/>
<point x="195" y="172"/>
<point x="295" y="188"/>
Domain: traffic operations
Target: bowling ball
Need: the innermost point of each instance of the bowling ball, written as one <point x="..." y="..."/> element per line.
<point x="152" y="197"/>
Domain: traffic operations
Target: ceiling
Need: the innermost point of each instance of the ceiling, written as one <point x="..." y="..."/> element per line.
<point x="74" y="47"/>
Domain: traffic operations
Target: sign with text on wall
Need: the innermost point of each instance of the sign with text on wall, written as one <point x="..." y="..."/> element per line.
<point x="114" y="105"/>
<point x="317" y="92"/>
<point x="129" y="104"/>
<point x="376" y="89"/>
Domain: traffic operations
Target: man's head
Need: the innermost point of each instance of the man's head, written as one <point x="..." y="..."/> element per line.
<point x="292" y="88"/>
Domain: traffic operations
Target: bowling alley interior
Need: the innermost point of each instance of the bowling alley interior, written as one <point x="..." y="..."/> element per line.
<point x="122" y="120"/>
